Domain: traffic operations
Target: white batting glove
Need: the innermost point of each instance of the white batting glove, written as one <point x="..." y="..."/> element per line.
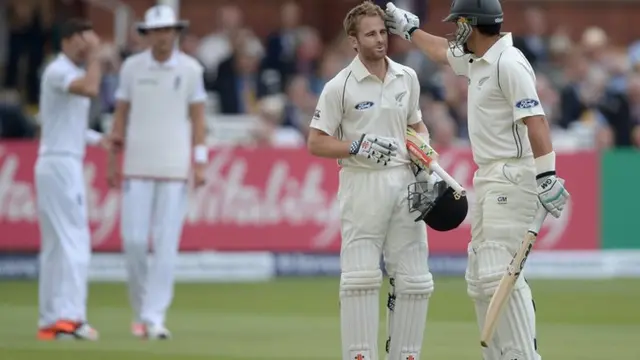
<point x="375" y="148"/>
<point x="401" y="22"/>
<point x="552" y="194"/>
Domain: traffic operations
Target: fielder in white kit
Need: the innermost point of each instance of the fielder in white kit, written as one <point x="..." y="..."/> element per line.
<point x="511" y="145"/>
<point x="361" y="120"/>
<point x="65" y="248"/>
<point x="159" y="118"/>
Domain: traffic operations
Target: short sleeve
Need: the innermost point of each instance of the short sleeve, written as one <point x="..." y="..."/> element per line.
<point x="198" y="94"/>
<point x="458" y="61"/>
<point x="328" y="113"/>
<point x="61" y="78"/>
<point x="123" y="93"/>
<point x="415" y="113"/>
<point x="518" y="83"/>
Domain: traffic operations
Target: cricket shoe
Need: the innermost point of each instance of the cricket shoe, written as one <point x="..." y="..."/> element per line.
<point x="157" y="332"/>
<point x="138" y="330"/>
<point x="68" y="330"/>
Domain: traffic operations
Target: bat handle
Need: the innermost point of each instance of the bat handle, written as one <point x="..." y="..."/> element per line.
<point x="541" y="215"/>
<point x="436" y="168"/>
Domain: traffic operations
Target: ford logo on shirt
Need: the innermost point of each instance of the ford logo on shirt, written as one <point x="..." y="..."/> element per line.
<point x="527" y="103"/>
<point x="364" y="105"/>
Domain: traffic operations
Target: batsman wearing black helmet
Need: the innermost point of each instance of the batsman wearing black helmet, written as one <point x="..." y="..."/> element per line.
<point x="512" y="147"/>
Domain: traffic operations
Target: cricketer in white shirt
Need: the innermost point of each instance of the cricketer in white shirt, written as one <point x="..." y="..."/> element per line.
<point x="160" y="117"/>
<point x="65" y="248"/>
<point x="361" y="112"/>
<point x="511" y="144"/>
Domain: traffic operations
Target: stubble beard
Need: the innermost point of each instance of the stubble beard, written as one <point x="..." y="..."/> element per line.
<point x="371" y="55"/>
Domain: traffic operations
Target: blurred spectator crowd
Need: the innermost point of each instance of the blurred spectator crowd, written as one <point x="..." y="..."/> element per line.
<point x="264" y="91"/>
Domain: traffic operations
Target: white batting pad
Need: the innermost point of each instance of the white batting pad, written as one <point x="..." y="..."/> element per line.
<point x="359" y="314"/>
<point x="516" y="327"/>
<point x="407" y="319"/>
<point x="515" y="333"/>
<point x="481" y="303"/>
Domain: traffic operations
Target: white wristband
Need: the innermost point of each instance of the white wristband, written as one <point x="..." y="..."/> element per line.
<point x="92" y="137"/>
<point x="546" y="163"/>
<point x="201" y="154"/>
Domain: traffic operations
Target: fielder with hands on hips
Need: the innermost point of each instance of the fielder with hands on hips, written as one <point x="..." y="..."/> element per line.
<point x="511" y="144"/>
<point x="159" y="121"/>
<point x="361" y="120"/>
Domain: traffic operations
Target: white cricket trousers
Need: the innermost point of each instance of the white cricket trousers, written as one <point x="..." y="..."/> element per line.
<point x="506" y="203"/>
<point x="376" y="222"/>
<point x="65" y="248"/>
<point x="152" y="210"/>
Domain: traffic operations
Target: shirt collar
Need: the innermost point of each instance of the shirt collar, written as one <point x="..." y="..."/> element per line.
<point x="361" y="72"/>
<point x="492" y="55"/>
<point x="172" y="62"/>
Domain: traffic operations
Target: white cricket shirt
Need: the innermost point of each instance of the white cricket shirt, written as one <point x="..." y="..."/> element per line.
<point x="158" y="139"/>
<point x="355" y="102"/>
<point x="63" y="115"/>
<point x="502" y="91"/>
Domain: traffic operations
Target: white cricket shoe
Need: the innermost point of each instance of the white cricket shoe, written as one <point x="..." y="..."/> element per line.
<point x="86" y="332"/>
<point x="155" y="332"/>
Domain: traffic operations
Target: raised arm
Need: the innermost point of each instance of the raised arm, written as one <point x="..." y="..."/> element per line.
<point x="89" y="84"/>
<point x="407" y="25"/>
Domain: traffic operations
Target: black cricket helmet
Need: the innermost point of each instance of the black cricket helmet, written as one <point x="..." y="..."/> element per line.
<point x="476" y="12"/>
<point x="441" y="208"/>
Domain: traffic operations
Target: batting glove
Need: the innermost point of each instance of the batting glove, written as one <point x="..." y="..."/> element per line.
<point x="375" y="148"/>
<point x="401" y="22"/>
<point x="552" y="194"/>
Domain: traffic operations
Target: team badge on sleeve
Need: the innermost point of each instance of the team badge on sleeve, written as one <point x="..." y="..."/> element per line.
<point x="527" y="103"/>
<point x="316" y="114"/>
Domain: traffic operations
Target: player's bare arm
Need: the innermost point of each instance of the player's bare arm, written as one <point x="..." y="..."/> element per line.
<point x="407" y="25"/>
<point x="539" y="135"/>
<point x="420" y="128"/>
<point x="117" y="135"/>
<point x="519" y="87"/>
<point x="434" y="47"/>
<point x="325" y="134"/>
<point x="322" y="144"/>
<point x="200" y="150"/>
<point x="89" y="84"/>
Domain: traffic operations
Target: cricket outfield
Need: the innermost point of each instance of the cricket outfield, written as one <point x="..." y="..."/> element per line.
<point x="298" y="319"/>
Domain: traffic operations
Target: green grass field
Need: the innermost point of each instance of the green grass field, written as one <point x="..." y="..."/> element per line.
<point x="298" y="319"/>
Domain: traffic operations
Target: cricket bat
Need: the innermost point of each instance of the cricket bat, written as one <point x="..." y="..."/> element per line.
<point x="508" y="281"/>
<point x="426" y="158"/>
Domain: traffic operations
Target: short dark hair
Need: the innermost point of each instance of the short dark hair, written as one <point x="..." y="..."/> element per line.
<point x="489" y="30"/>
<point x="72" y="27"/>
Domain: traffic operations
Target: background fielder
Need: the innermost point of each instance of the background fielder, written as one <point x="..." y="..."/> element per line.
<point x="511" y="145"/>
<point x="65" y="248"/>
<point x="161" y="102"/>
<point x="361" y="119"/>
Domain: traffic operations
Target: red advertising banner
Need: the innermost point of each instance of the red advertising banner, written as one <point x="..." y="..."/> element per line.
<point x="271" y="199"/>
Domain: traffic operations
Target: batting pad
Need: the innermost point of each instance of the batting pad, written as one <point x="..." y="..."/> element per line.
<point x="516" y="328"/>
<point x="481" y="303"/>
<point x="360" y="314"/>
<point x="515" y="334"/>
<point x="408" y="315"/>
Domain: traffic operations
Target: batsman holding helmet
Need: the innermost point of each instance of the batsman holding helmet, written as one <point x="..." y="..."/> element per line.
<point x="361" y="119"/>
<point x="511" y="145"/>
